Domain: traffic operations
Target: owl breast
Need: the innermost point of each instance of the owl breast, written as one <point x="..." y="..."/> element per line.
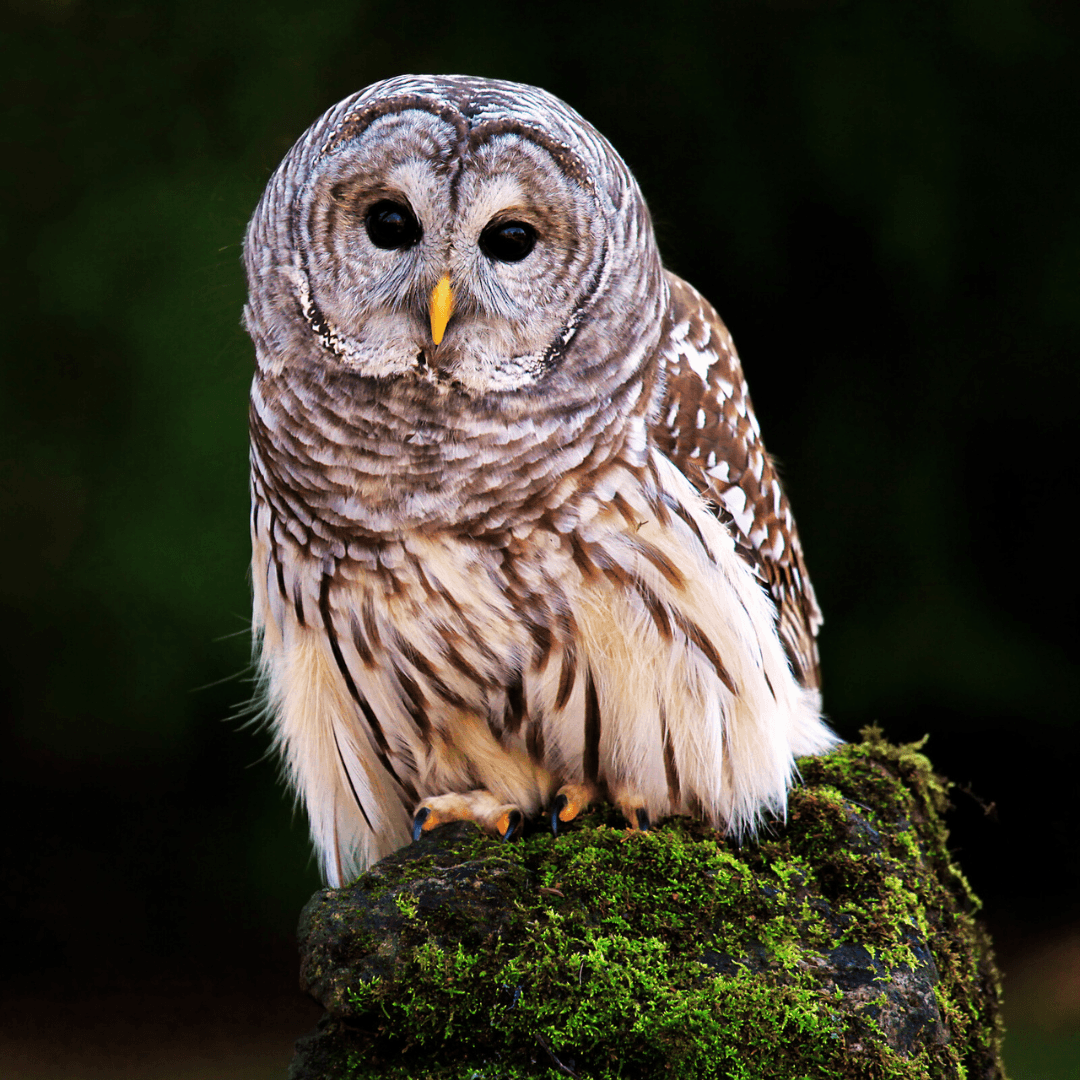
<point x="619" y="641"/>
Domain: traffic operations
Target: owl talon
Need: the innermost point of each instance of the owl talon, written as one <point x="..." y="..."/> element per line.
<point x="418" y="822"/>
<point x="556" y="807"/>
<point x="570" y="801"/>
<point x="510" y="823"/>
<point x="634" y="811"/>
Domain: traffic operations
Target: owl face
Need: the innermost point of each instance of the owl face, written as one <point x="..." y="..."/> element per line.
<point x="499" y="188"/>
<point x="516" y="234"/>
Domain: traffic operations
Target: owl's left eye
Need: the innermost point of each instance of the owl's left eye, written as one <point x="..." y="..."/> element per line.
<point x="392" y="225"/>
<point x="508" y="241"/>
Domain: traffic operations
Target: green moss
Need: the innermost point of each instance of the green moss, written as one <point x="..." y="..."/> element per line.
<point x="841" y="943"/>
<point x="406" y="904"/>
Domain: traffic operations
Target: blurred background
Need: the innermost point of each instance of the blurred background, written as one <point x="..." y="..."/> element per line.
<point x="882" y="199"/>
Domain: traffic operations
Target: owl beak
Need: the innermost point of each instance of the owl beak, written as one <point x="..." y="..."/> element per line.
<point x="441" y="308"/>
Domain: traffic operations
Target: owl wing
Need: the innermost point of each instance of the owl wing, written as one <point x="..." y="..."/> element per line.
<point x="707" y="427"/>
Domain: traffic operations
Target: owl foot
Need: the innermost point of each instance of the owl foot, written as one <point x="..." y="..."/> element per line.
<point x="573" y="799"/>
<point x="500" y="819"/>
<point x="637" y="817"/>
<point x="570" y="801"/>
<point x="632" y="806"/>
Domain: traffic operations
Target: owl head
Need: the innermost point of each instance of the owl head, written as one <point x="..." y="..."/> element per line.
<point x="468" y="256"/>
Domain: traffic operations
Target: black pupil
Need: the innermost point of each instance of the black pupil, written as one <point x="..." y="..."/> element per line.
<point x="508" y="241"/>
<point x="392" y="225"/>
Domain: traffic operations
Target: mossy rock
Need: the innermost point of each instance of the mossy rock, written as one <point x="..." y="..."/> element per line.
<point x="841" y="943"/>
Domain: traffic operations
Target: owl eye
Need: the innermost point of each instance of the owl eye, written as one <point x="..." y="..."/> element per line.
<point x="507" y="241"/>
<point x="392" y="225"/>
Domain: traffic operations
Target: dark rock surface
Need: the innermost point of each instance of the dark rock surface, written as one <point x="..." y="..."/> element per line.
<point x="841" y="943"/>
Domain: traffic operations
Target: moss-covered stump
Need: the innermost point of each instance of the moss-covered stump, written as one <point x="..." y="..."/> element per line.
<point x="839" y="944"/>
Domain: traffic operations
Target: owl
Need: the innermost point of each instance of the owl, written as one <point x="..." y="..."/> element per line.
<point x="517" y="544"/>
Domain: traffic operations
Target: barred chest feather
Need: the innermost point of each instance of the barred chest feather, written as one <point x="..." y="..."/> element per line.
<point x="627" y="644"/>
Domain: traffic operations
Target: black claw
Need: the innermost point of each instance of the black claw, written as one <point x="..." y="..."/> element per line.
<point x="643" y="819"/>
<point x="418" y="822"/>
<point x="516" y="819"/>
<point x="556" y="807"/>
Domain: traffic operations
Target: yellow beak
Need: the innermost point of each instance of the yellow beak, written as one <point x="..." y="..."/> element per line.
<point x="442" y="307"/>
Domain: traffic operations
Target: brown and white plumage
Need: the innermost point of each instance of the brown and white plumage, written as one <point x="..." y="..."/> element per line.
<point x="708" y="429"/>
<point x="529" y="553"/>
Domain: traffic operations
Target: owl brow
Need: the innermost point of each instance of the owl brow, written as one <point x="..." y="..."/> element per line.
<point x="357" y="189"/>
<point x="570" y="165"/>
<point x="355" y="124"/>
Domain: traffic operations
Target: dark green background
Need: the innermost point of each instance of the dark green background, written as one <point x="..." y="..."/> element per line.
<point x="881" y="198"/>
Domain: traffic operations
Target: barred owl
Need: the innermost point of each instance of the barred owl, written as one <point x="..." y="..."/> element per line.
<point x="517" y="544"/>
